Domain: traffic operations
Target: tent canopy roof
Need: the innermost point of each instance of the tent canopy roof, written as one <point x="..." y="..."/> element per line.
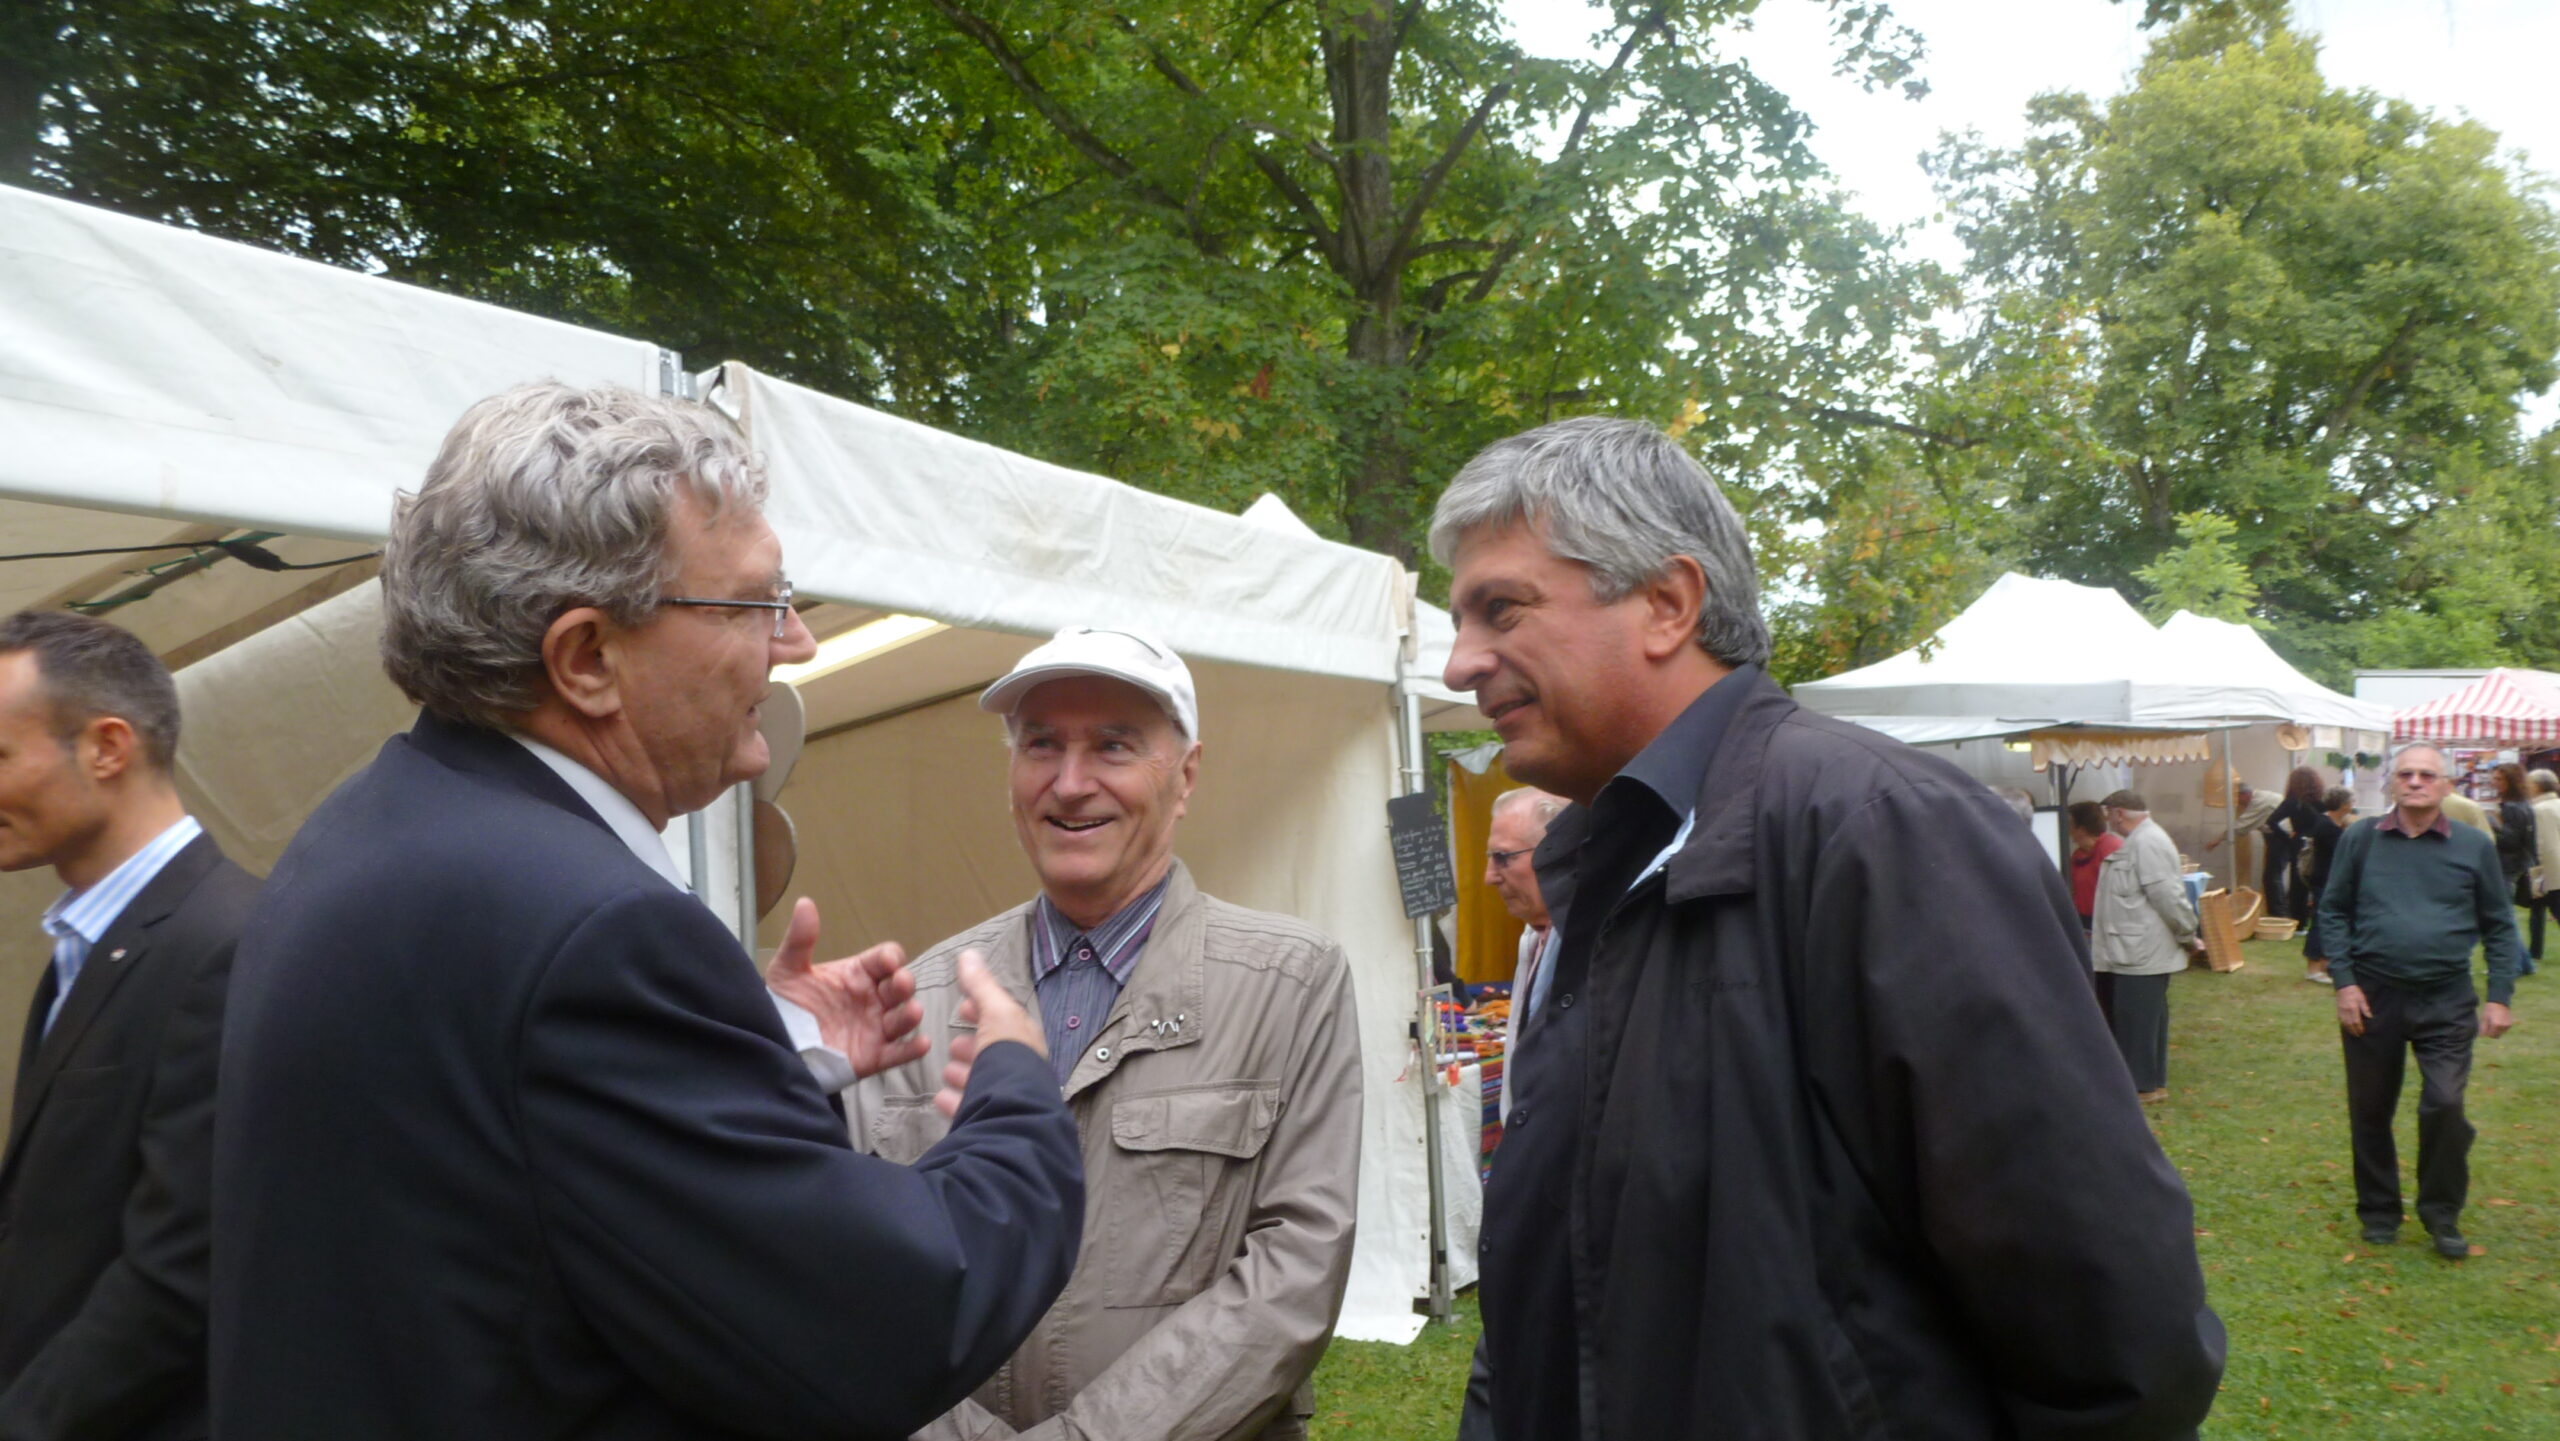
<point x="163" y="387"/>
<point x="2081" y="655"/>
<point x="2504" y="707"/>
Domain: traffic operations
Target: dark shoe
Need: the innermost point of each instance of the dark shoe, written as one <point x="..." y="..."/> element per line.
<point x="2451" y="1246"/>
<point x="2382" y="1235"/>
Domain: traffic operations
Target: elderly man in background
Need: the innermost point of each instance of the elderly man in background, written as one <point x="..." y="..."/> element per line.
<point x="1209" y="1055"/>
<point x="514" y="1142"/>
<point x="2409" y="895"/>
<point x="105" y="1187"/>
<point x="1520" y="818"/>
<point x="2142" y="931"/>
<point x="1815" y="1135"/>
<point x="2546" y="835"/>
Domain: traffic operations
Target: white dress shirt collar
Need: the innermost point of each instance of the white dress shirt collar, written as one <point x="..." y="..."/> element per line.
<point x="613" y="808"/>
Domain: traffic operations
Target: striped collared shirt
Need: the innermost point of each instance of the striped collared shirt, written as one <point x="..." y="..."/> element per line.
<point x="1078" y="974"/>
<point x="77" y="919"/>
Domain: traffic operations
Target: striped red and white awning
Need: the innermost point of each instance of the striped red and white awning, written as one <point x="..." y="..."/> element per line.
<point x="2504" y="708"/>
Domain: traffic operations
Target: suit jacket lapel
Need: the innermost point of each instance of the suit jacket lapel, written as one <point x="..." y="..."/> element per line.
<point x="110" y="961"/>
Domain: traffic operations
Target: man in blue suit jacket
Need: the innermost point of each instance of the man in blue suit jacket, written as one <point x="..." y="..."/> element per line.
<point x="514" y="1142"/>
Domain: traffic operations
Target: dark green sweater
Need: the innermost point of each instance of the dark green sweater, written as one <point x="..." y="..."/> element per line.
<point x="2409" y="910"/>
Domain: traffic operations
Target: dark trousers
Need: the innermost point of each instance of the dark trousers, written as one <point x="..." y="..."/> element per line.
<point x="2140" y="1019"/>
<point x="2277" y="879"/>
<point x="2535" y="908"/>
<point x="2438" y="1024"/>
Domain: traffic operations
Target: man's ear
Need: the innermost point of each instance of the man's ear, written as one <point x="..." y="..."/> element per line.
<point x="580" y="657"/>
<point x="1190" y="778"/>
<point x="1673" y="600"/>
<point x="107" y="747"/>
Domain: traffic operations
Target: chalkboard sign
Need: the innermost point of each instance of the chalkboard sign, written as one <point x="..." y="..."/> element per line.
<point x="1421" y="845"/>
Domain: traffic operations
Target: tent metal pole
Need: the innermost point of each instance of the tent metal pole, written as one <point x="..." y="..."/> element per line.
<point x="2230" y="817"/>
<point x="1427" y="1030"/>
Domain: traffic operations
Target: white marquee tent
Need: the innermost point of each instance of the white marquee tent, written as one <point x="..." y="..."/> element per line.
<point x="2032" y="653"/>
<point x="165" y="389"/>
<point x="2041" y="658"/>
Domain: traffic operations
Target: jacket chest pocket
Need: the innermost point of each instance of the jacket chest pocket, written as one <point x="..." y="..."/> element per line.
<point x="1182" y="1166"/>
<point x="906" y="1127"/>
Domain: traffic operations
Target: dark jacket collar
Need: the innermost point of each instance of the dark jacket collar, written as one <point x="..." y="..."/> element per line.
<point x="478" y="750"/>
<point x="1721" y="857"/>
<point x="110" y="961"/>
<point x="1683" y="767"/>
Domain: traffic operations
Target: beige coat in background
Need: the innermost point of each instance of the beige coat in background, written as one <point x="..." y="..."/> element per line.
<point x="1219" y="1106"/>
<point x="2142" y="921"/>
<point x="2546" y="836"/>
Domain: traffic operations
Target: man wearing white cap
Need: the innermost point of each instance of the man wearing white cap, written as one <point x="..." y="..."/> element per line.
<point x="1208" y="1054"/>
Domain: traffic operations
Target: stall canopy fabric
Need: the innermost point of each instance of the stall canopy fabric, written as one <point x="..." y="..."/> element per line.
<point x="2053" y="653"/>
<point x="2502" y="708"/>
<point x="162" y="388"/>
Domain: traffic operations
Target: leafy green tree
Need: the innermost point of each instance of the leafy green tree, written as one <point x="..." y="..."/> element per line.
<point x="2203" y="573"/>
<point x="2310" y="311"/>
<point x="1326" y="247"/>
<point x="1340" y="244"/>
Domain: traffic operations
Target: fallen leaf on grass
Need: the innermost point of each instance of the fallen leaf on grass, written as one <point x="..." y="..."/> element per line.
<point x="2497" y="1201"/>
<point x="2479" y="1250"/>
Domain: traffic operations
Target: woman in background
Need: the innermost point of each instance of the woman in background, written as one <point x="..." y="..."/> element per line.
<point x="2319" y="851"/>
<point x="2546" y="831"/>
<point x="2091" y="843"/>
<point x="2518" y="851"/>
<point x="2286" y="831"/>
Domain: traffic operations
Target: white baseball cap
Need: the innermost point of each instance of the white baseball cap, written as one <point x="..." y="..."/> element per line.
<point x="1123" y="655"/>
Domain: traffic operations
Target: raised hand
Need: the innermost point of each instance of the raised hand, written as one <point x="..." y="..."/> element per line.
<point x="998" y="1016"/>
<point x="865" y="1004"/>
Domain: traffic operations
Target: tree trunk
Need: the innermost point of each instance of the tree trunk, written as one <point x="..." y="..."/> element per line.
<point x="1359" y="38"/>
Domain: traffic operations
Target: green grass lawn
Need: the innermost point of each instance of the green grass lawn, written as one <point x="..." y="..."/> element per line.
<point x="2329" y="1337"/>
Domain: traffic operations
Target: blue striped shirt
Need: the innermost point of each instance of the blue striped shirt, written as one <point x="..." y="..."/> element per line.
<point x="1078" y="974"/>
<point x="77" y="919"/>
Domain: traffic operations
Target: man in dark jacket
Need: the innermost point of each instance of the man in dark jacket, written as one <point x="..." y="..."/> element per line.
<point x="104" y="1187"/>
<point x="514" y="1141"/>
<point x="1819" y="1134"/>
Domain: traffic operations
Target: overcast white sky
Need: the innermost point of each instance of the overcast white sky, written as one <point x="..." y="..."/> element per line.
<point x="2491" y="59"/>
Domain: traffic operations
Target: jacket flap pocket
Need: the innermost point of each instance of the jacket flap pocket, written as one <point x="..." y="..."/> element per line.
<point x="905" y="1128"/>
<point x="1226" y="1119"/>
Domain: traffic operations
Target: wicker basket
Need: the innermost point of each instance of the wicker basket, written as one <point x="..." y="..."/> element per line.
<point x="2246" y="907"/>
<point x="2277" y="928"/>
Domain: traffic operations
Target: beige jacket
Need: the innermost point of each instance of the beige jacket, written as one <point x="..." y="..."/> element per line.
<point x="2142" y="921"/>
<point x="2546" y="836"/>
<point x="1220" y="1110"/>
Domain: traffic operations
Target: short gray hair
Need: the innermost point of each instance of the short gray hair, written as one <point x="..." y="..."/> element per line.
<point x="2545" y="781"/>
<point x="1624" y="499"/>
<point x="1543" y="806"/>
<point x="543" y="498"/>
<point x="2405" y="747"/>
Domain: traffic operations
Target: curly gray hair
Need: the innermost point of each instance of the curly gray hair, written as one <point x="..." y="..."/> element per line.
<point x="1624" y="499"/>
<point x="543" y="498"/>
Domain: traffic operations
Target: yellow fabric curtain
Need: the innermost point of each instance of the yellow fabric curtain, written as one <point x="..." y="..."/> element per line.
<point x="1488" y="938"/>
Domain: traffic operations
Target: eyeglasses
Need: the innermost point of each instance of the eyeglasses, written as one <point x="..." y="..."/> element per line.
<point x="1501" y="859"/>
<point x="781" y="608"/>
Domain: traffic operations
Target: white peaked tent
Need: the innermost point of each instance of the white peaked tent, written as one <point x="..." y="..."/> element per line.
<point x="2033" y="653"/>
<point x="163" y="388"/>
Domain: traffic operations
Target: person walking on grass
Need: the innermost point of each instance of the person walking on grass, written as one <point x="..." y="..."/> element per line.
<point x="2408" y="897"/>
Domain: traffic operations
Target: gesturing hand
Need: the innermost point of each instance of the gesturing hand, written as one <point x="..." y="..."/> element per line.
<point x="999" y="1017"/>
<point x="865" y="1004"/>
